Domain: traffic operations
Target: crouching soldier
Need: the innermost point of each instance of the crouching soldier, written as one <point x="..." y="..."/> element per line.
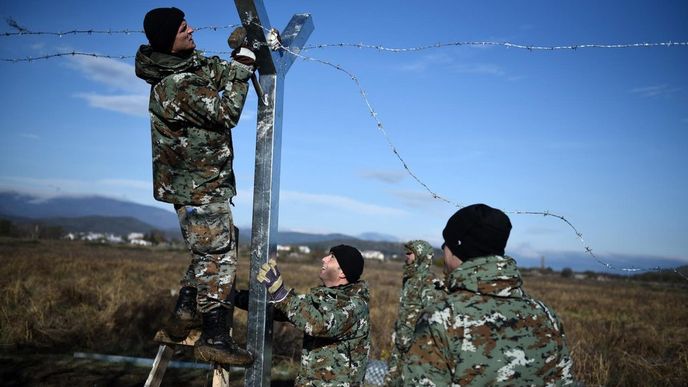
<point x="334" y="318"/>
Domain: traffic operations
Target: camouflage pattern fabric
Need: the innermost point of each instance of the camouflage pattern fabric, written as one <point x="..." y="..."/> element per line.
<point x="194" y="102"/>
<point x="336" y="326"/>
<point x="487" y="331"/>
<point x="209" y="233"/>
<point x="419" y="289"/>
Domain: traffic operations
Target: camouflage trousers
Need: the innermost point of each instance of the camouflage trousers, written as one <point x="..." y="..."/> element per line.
<point x="393" y="376"/>
<point x="210" y="235"/>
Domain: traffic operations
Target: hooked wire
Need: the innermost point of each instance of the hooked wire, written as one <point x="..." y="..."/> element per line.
<point x="378" y="122"/>
<point x="381" y="128"/>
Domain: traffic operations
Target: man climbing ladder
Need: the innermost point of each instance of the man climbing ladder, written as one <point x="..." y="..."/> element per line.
<point x="195" y="101"/>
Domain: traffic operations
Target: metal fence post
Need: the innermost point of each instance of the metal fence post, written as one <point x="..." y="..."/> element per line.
<point x="272" y="67"/>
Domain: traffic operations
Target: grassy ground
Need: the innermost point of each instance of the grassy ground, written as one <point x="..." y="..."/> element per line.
<point x="59" y="298"/>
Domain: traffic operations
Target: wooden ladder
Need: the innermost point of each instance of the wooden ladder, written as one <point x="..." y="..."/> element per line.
<point x="166" y="350"/>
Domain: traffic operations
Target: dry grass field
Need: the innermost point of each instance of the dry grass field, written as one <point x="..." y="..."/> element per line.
<point x="59" y="298"/>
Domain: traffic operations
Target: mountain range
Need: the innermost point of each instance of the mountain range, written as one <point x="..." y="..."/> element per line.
<point x="120" y="217"/>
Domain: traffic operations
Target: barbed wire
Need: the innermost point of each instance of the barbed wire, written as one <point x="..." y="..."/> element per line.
<point x="381" y="128"/>
<point x="492" y="43"/>
<point x="334" y="45"/>
<point x="23" y="31"/>
<point x="367" y="46"/>
<point x="378" y="122"/>
<point x="60" y="54"/>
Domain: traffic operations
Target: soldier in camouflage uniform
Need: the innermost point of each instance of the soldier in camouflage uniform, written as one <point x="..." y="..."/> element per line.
<point x="195" y="101"/>
<point x="334" y="318"/>
<point x="487" y="331"/>
<point x="419" y="289"/>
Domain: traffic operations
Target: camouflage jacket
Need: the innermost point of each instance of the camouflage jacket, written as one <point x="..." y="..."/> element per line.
<point x="194" y="102"/>
<point x="487" y="331"/>
<point x="419" y="289"/>
<point x="336" y="327"/>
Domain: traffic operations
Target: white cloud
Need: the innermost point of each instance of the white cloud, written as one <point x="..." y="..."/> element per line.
<point x="444" y="61"/>
<point x="525" y="250"/>
<point x="247" y="114"/>
<point x="390" y="177"/>
<point x="118" y="77"/>
<point x="339" y="202"/>
<point x="420" y="199"/>
<point x="428" y="61"/>
<point x="110" y="72"/>
<point x="132" y="104"/>
<point x="654" y="91"/>
<point x="140" y="191"/>
<point x="127" y="183"/>
<point x="30" y="135"/>
<point x="479" y="68"/>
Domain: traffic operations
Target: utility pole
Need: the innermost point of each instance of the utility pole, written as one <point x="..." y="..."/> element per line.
<point x="272" y="67"/>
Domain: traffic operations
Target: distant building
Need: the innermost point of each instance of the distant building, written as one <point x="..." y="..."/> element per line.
<point x="110" y="238"/>
<point x="140" y="242"/>
<point x="93" y="236"/>
<point x="373" y="254"/>
<point x="134" y="236"/>
<point x="297" y="249"/>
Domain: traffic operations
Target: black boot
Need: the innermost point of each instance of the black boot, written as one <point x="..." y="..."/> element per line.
<point x="216" y="344"/>
<point x="185" y="310"/>
<point x="182" y="319"/>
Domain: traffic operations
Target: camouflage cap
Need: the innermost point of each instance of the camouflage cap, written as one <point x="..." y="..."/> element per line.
<point x="420" y="248"/>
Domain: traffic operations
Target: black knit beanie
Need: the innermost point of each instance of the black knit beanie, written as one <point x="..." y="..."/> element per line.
<point x="161" y="26"/>
<point x="350" y="261"/>
<point x="477" y="230"/>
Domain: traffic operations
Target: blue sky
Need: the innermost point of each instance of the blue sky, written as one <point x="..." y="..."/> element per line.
<point x="595" y="135"/>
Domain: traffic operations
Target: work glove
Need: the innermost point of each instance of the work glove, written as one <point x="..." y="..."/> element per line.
<point x="241" y="53"/>
<point x="274" y="40"/>
<point x="270" y="276"/>
<point x="244" y="56"/>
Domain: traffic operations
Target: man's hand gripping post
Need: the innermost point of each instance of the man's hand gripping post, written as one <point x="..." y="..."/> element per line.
<point x="237" y="42"/>
<point x="271" y="278"/>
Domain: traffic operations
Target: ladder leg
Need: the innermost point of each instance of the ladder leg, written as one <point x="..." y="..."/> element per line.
<point x="162" y="359"/>
<point x="220" y="377"/>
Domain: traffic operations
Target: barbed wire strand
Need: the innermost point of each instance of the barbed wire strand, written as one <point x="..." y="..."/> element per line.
<point x="491" y="43"/>
<point x="22" y="31"/>
<point x="334" y="45"/>
<point x="381" y="128"/>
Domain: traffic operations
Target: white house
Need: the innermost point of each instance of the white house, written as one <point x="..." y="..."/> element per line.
<point x="140" y="242"/>
<point x="373" y="254"/>
<point x="134" y="236"/>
